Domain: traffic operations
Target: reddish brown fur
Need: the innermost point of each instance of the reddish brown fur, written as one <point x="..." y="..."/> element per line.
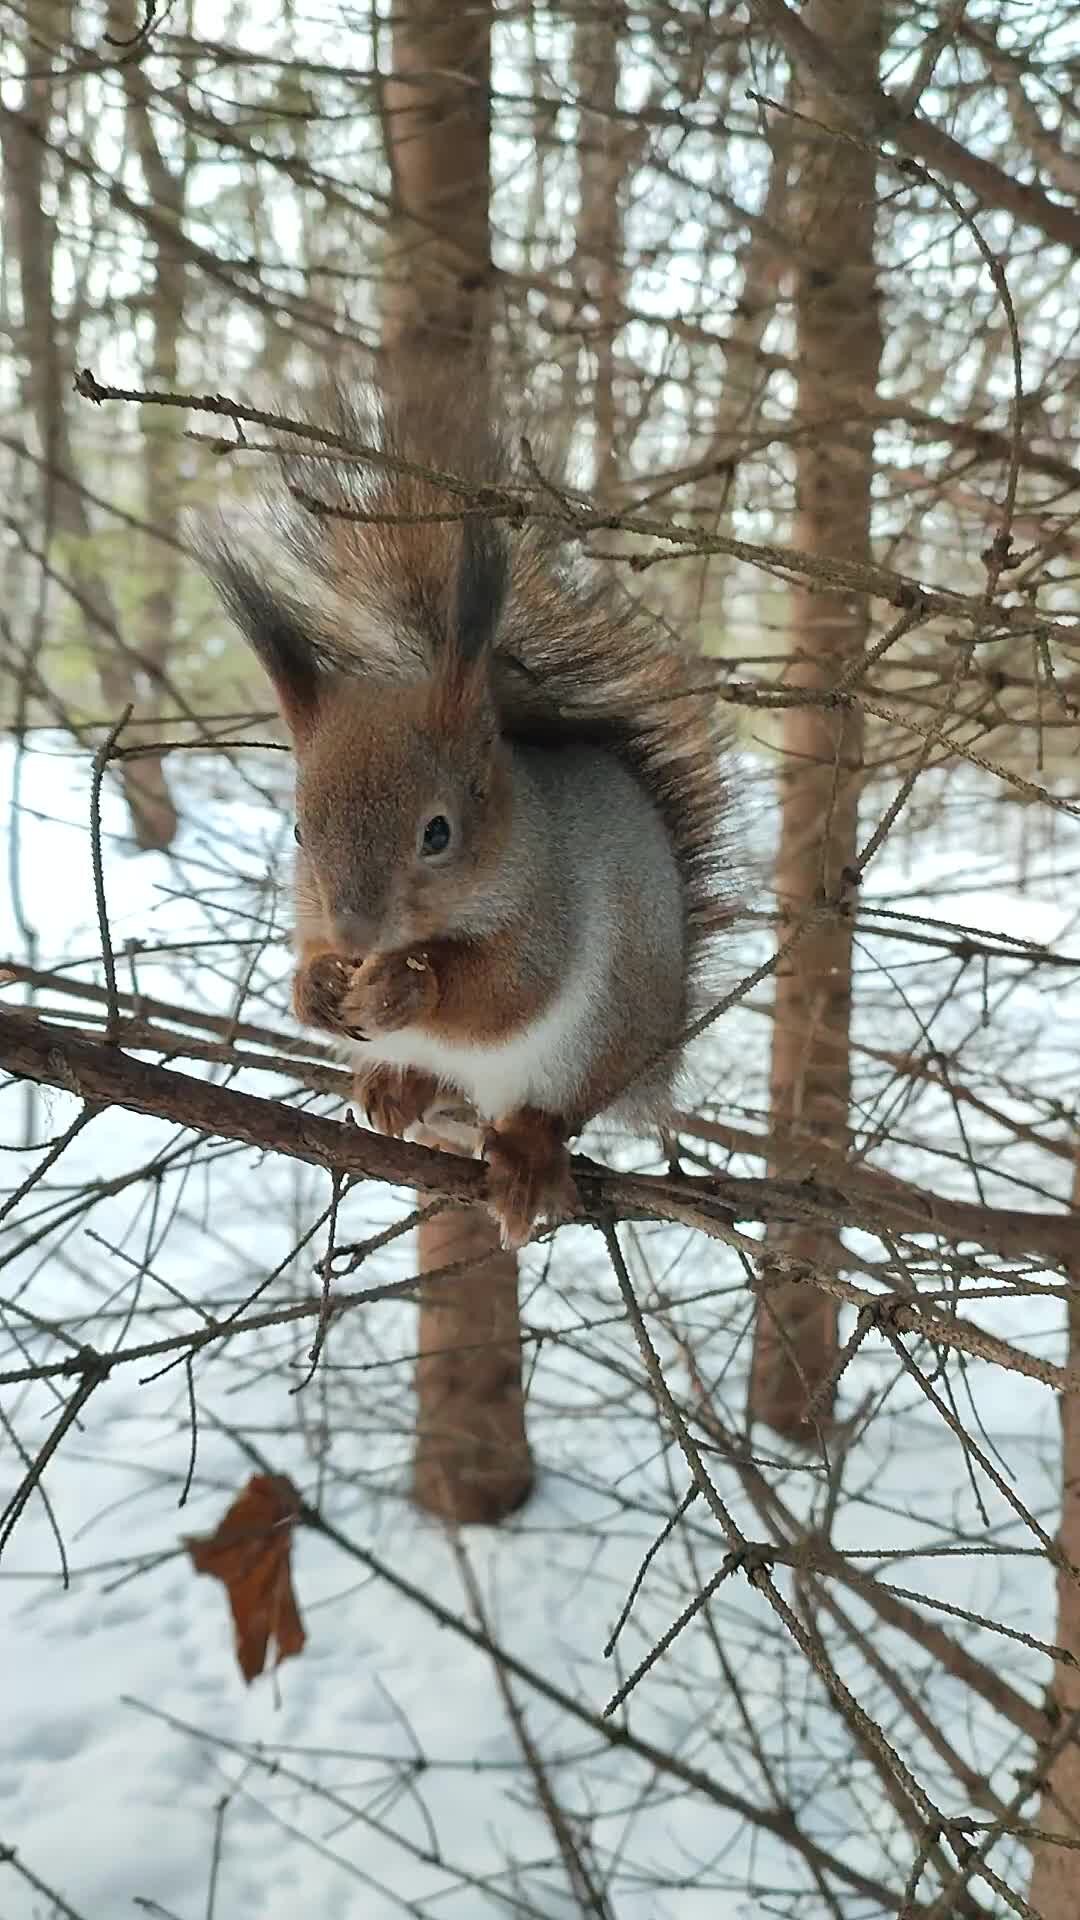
<point x="485" y="991"/>
<point x="462" y="990"/>
<point x="404" y="730"/>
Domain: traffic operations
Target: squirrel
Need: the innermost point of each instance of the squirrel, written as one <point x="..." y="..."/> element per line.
<point x="511" y="798"/>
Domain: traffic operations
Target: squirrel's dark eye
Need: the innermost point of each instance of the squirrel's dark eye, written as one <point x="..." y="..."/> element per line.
<point x="436" y="835"/>
<point x="298" y="836"/>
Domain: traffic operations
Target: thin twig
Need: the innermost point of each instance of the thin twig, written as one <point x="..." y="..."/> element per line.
<point x="101" y="761"/>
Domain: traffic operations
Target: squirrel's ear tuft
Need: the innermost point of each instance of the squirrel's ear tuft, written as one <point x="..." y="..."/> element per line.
<point x="462" y="701"/>
<point x="482" y="581"/>
<point x="271" y="627"/>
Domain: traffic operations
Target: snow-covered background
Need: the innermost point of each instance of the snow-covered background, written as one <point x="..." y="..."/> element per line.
<point x="381" y="1772"/>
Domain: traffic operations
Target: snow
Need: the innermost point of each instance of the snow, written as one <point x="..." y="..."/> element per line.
<point x="380" y="1773"/>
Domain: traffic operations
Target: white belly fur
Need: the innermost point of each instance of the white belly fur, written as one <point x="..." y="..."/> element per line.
<point x="541" y="1065"/>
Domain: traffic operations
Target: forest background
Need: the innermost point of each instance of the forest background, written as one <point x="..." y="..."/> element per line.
<point x="720" y="1556"/>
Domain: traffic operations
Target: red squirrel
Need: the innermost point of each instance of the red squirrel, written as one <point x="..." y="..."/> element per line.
<point x="510" y="796"/>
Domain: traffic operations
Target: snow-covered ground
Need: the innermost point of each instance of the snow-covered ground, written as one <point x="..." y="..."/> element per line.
<point x="381" y="1772"/>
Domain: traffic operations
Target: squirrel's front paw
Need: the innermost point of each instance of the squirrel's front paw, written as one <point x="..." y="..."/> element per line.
<point x="529" y="1177"/>
<point x="318" y="988"/>
<point x="388" y="992"/>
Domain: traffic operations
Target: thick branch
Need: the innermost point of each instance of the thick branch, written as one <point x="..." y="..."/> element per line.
<point x="35" y="1050"/>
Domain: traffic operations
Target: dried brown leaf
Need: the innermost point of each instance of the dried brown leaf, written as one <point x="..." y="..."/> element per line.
<point x="251" y="1554"/>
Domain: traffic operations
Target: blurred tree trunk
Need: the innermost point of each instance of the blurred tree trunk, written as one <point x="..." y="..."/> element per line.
<point x="48" y="382"/>
<point x="1055" y="1873"/>
<point x="602" y="153"/>
<point x="437" y="116"/>
<point x="472" y="1459"/>
<point x="161" y="426"/>
<point x="839" y="347"/>
<point x="764" y="261"/>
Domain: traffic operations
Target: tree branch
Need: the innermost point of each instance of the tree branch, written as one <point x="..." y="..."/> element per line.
<point x="877" y="115"/>
<point x="34" y="1049"/>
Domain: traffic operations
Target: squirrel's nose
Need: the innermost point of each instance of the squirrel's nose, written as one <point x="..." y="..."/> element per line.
<point x="356" y="934"/>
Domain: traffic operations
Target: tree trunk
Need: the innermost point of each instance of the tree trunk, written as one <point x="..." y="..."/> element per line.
<point x="1055" y="1872"/>
<point x="162" y="428"/>
<point x="472" y="1454"/>
<point x="437" y="114"/>
<point x="603" y="144"/>
<point x="839" y="347"/>
<point x="472" y="1457"/>
<point x="737" y="410"/>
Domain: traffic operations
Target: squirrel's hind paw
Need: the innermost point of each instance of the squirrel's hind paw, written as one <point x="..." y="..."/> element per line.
<point x="529" y="1177"/>
<point x="451" y="1125"/>
<point x="393" y="1100"/>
